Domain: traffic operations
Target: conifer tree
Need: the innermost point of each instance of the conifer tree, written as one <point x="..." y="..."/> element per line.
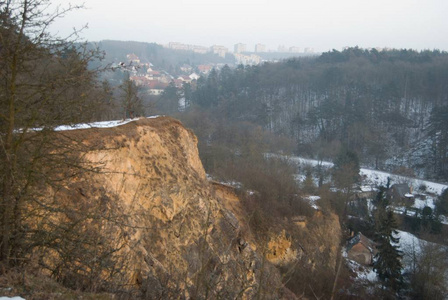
<point x="308" y="184"/>
<point x="387" y="263"/>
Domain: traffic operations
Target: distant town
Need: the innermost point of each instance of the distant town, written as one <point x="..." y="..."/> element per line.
<point x="155" y="79"/>
<point x="241" y="52"/>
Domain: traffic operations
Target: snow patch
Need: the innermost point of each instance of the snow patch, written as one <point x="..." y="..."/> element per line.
<point x="420" y="204"/>
<point x="363" y="273"/>
<point x="312" y="201"/>
<point x="103" y="124"/>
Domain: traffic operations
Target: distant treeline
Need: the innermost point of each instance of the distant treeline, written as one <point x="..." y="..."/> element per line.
<point x="390" y="107"/>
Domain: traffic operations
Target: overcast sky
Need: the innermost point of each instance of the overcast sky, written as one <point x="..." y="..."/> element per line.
<point x="321" y="24"/>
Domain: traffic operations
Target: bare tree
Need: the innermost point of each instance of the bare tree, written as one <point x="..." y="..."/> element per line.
<point x="45" y="82"/>
<point x="429" y="271"/>
<point x="131" y="100"/>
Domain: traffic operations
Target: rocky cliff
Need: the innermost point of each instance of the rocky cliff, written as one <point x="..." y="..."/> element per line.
<point x="153" y="226"/>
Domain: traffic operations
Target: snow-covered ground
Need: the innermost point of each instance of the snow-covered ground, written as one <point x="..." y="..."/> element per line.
<point x="102" y="124"/>
<point x="363" y="273"/>
<point x="409" y="244"/>
<point x="412" y="247"/>
<point x="312" y="162"/>
<point x="377" y="178"/>
<point x="371" y="179"/>
<point x="312" y="200"/>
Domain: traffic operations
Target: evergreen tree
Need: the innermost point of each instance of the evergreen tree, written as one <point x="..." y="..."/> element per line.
<point x="346" y="168"/>
<point x="438" y="131"/>
<point x="387" y="262"/>
<point x="381" y="201"/>
<point x="169" y="101"/>
<point x="442" y="203"/>
<point x="308" y="185"/>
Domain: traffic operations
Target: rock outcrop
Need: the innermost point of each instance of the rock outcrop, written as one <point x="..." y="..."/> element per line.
<point x="168" y="232"/>
<point x="142" y="218"/>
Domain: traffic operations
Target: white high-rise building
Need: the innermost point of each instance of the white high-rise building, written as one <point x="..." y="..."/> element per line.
<point x="282" y="48"/>
<point x="260" y="48"/>
<point x="219" y="50"/>
<point x="239" y="48"/>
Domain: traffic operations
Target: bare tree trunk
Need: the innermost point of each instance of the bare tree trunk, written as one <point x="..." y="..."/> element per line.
<point x="333" y="290"/>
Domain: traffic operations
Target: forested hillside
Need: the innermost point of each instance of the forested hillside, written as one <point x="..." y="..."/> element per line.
<point x="390" y="107"/>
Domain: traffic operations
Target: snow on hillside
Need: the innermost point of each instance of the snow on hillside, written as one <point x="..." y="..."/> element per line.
<point x="363" y="273"/>
<point x="312" y="162"/>
<point x="377" y="178"/>
<point x="409" y="244"/>
<point x="412" y="247"/>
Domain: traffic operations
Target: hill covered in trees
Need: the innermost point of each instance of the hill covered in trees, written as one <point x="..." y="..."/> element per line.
<point x="390" y="107"/>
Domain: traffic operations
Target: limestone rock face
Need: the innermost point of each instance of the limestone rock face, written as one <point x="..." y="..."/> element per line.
<point x="138" y="215"/>
<point x="280" y="250"/>
<point x="170" y="232"/>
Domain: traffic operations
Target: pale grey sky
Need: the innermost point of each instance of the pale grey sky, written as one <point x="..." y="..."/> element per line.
<point x="322" y="24"/>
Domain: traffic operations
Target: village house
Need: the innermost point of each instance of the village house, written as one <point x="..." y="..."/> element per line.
<point x="184" y="78"/>
<point x="401" y="194"/>
<point x="133" y="58"/>
<point x="178" y="83"/>
<point x="365" y="192"/>
<point x="361" y="249"/>
<point x="186" y="68"/>
<point x="141" y="81"/>
<point x="156" y="87"/>
<point x="194" y="76"/>
<point x="205" y="69"/>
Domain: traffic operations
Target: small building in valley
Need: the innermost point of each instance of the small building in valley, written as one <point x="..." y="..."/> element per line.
<point x="401" y="194"/>
<point x="361" y="249"/>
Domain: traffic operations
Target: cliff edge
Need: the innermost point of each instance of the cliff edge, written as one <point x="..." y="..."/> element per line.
<point x="153" y="224"/>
